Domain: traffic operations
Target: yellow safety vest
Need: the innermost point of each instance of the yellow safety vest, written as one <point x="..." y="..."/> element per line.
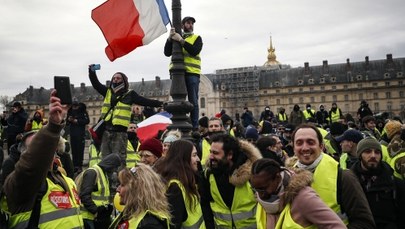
<point x="307" y="115"/>
<point x="59" y="209"/>
<point x="335" y="116"/>
<point x="36" y="125"/>
<point x="285" y="221"/>
<point x="195" y="218"/>
<point x="342" y="161"/>
<point x="121" y="113"/>
<point x="242" y="214"/>
<point x="132" y="156"/>
<point x="95" y="156"/>
<point x="192" y="64"/>
<point x="393" y="165"/>
<point x="205" y="151"/>
<point x="282" y="117"/>
<point x="134" y="221"/>
<point x="325" y="184"/>
<point x="99" y="197"/>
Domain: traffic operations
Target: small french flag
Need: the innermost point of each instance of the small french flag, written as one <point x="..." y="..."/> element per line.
<point x="150" y="127"/>
<point x="128" y="24"/>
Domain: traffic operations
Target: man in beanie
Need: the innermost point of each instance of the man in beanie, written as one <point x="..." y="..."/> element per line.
<point x="251" y="135"/>
<point x="348" y="141"/>
<point x="385" y="193"/>
<point x="116" y="112"/>
<point x="150" y="151"/>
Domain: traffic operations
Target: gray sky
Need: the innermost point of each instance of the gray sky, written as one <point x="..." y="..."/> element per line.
<point x="43" y="38"/>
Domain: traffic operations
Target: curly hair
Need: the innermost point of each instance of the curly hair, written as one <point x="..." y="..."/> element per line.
<point x="145" y="190"/>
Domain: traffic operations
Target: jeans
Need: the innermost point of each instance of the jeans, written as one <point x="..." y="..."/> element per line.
<point x="192" y="84"/>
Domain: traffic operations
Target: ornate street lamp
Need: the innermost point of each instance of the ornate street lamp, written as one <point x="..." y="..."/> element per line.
<point x="179" y="107"/>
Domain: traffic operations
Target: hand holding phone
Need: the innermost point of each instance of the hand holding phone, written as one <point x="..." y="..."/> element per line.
<point x="62" y="86"/>
<point x="95" y="67"/>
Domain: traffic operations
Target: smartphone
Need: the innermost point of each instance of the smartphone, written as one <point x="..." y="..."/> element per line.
<point x="95" y="67"/>
<point x="62" y="86"/>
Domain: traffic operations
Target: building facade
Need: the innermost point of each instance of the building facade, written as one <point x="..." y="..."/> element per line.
<point x="379" y="82"/>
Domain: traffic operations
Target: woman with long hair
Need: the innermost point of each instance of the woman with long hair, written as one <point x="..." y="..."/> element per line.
<point x="287" y="199"/>
<point x="179" y="169"/>
<point x="143" y="194"/>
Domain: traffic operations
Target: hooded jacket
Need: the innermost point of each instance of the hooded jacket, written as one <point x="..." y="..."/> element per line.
<point x="226" y="182"/>
<point x="89" y="184"/>
<point x="306" y="207"/>
<point x="130" y="98"/>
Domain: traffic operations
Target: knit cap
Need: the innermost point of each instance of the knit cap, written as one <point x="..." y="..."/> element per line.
<point x="392" y="127"/>
<point x="152" y="145"/>
<point x="252" y="133"/>
<point x="368" y="143"/>
<point x="170" y="139"/>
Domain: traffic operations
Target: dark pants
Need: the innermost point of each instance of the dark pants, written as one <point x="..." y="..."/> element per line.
<point x="192" y="84"/>
<point x="77" y="144"/>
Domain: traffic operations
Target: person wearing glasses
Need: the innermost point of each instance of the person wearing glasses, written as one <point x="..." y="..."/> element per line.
<point x="142" y="191"/>
<point x="150" y="151"/>
<point x="179" y="170"/>
<point x="287" y="199"/>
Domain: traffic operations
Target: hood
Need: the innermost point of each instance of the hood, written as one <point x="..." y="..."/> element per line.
<point x="242" y="174"/>
<point x="110" y="163"/>
<point x="301" y="179"/>
<point x="40" y="112"/>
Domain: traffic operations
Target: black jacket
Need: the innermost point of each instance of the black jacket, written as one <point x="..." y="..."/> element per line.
<point x="385" y="194"/>
<point x="15" y="122"/>
<point x="79" y="128"/>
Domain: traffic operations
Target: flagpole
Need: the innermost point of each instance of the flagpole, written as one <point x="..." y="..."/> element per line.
<point x="179" y="107"/>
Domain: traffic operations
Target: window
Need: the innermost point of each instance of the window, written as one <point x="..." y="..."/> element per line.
<point x="333" y="79"/>
<point x="322" y="88"/>
<point x="312" y="100"/>
<point x="202" y="102"/>
<point x="359" y="77"/>
<point x="278" y="91"/>
<point x="375" y="84"/>
<point x="387" y="84"/>
<point x="290" y="91"/>
<point x="360" y="96"/>
<point x="400" y="83"/>
<point x="389" y="106"/>
<point x="278" y="101"/>
<point x="301" y="89"/>
<point x="401" y="94"/>
<point x="323" y="99"/>
<point x="388" y="95"/>
<point x="301" y="100"/>
<point x="334" y="88"/>
<point x="322" y="80"/>
<point x="334" y="98"/>
<point x="266" y="102"/>
<point x="359" y="85"/>
<point x="377" y="107"/>
<point x="375" y="95"/>
<point x="346" y="97"/>
<point x="223" y="104"/>
<point x="345" y="87"/>
<point x="311" y="81"/>
<point x="290" y="100"/>
<point x="311" y="89"/>
<point x="264" y="92"/>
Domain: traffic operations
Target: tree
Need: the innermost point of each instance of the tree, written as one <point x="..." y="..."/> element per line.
<point x="4" y="100"/>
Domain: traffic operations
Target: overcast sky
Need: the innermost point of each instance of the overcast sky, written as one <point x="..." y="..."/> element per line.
<point x="43" y="38"/>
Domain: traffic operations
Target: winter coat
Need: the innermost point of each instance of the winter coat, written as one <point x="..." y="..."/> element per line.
<point x="306" y="207"/>
<point x="79" y="128"/>
<point x="297" y="117"/>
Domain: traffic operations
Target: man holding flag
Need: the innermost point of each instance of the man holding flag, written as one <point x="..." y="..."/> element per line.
<point x="192" y="46"/>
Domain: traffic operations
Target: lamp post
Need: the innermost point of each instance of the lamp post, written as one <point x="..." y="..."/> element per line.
<point x="179" y="107"/>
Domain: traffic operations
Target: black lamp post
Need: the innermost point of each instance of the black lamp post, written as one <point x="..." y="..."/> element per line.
<point x="179" y="107"/>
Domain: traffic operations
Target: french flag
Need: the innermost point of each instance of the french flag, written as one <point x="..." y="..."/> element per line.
<point x="150" y="127"/>
<point x="128" y="24"/>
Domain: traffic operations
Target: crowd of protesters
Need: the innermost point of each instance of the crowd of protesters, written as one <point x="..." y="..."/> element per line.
<point x="306" y="169"/>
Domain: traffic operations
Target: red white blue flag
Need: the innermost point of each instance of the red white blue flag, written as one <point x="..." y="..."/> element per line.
<point x="150" y="127"/>
<point x="128" y="24"/>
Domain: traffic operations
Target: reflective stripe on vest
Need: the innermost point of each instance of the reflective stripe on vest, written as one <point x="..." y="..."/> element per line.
<point x="395" y="167"/>
<point x="335" y="116"/>
<point x="99" y="197"/>
<point x="282" y="117"/>
<point x="242" y="213"/>
<point x="132" y="156"/>
<point x="205" y="151"/>
<point x="50" y="215"/>
<point x="95" y="156"/>
<point x="325" y="183"/>
<point x="285" y="221"/>
<point x="192" y="64"/>
<point x="121" y="114"/>
<point x="194" y="216"/>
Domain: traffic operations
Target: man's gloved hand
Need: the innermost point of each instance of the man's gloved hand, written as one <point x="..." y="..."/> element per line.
<point x="177" y="37"/>
<point x="104" y="211"/>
